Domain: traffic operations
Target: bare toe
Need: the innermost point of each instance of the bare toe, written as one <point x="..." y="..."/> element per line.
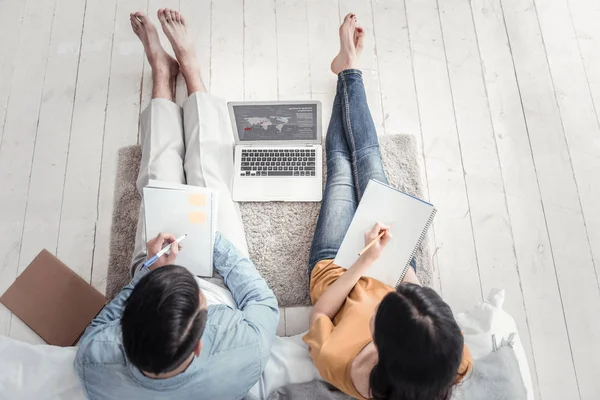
<point x="175" y="29"/>
<point x="158" y="58"/>
<point x="143" y="18"/>
<point x="350" y="38"/>
<point x="348" y="25"/>
<point x="135" y="28"/>
<point x="135" y="23"/>
<point x="161" y="15"/>
<point x="359" y="36"/>
<point x="352" y="22"/>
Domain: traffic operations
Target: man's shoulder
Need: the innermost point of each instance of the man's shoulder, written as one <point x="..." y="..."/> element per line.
<point x="102" y="345"/>
<point x="228" y="329"/>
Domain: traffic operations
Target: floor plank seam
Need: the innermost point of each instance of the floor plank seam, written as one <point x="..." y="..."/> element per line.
<point x="462" y="163"/>
<point x="112" y="49"/>
<point x="566" y="140"/>
<point x="71" y="125"/>
<point x="534" y="366"/>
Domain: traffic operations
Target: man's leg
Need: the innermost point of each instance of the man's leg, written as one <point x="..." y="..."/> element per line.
<point x="209" y="160"/>
<point x="161" y="125"/>
<point x="208" y="136"/>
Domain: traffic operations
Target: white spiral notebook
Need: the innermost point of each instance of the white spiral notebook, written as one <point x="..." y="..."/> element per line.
<point x="411" y="218"/>
<point x="183" y="209"/>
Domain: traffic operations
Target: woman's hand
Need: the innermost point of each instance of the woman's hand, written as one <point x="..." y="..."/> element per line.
<point x="333" y="298"/>
<point x="374" y="252"/>
<point x="155" y="245"/>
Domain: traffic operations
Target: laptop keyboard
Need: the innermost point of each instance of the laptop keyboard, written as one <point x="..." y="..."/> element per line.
<point x="278" y="162"/>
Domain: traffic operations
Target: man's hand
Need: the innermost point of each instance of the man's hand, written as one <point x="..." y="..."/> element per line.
<point x="374" y="252"/>
<point x="155" y="245"/>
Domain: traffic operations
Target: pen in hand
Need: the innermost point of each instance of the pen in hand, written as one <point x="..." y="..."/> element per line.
<point x="163" y="251"/>
<point x="367" y="247"/>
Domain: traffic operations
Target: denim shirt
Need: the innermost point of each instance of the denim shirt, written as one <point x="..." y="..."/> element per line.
<point x="235" y="344"/>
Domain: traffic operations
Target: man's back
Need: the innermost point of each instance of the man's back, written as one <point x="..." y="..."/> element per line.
<point x="235" y="344"/>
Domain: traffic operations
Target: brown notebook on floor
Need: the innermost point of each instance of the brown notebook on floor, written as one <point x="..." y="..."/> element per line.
<point x="53" y="300"/>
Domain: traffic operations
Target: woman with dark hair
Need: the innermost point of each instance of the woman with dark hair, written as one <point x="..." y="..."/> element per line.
<point x="366" y="338"/>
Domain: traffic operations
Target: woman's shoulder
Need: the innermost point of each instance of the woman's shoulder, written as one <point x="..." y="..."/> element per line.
<point x="323" y="275"/>
<point x="324" y="267"/>
<point x="466" y="365"/>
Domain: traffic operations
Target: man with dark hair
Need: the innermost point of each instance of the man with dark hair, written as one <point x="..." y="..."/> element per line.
<point x="163" y="319"/>
<point x="169" y="334"/>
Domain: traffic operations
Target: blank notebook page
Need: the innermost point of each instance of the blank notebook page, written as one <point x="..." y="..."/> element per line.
<point x="180" y="210"/>
<point x="410" y="217"/>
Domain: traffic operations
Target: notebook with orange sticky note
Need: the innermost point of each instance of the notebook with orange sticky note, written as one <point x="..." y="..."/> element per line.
<point x="184" y="209"/>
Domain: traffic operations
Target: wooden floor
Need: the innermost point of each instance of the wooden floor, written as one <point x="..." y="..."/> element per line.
<point x="502" y="96"/>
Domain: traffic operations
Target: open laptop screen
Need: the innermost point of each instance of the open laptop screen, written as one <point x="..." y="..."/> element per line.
<point x="276" y="122"/>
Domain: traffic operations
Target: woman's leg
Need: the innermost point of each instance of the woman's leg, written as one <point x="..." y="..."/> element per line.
<point x="339" y="200"/>
<point x="361" y="134"/>
<point x="360" y="131"/>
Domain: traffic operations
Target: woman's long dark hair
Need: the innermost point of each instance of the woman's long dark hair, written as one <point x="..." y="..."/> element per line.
<point x="419" y="345"/>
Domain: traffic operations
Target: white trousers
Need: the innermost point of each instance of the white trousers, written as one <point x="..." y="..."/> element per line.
<point x="192" y="145"/>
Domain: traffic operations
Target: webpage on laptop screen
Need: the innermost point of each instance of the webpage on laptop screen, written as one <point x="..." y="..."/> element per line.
<point x="276" y="122"/>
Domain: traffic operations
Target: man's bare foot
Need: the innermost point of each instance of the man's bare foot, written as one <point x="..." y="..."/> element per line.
<point x="161" y="62"/>
<point x="351" y="45"/>
<point x="175" y="27"/>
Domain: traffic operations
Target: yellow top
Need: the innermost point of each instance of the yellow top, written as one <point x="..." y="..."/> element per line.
<point x="333" y="345"/>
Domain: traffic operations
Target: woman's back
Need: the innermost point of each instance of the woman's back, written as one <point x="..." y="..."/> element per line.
<point x="334" y="344"/>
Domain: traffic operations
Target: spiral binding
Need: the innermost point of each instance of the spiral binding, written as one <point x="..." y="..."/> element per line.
<point x="414" y="253"/>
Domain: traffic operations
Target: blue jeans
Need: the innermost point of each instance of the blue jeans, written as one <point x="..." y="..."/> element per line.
<point x="353" y="158"/>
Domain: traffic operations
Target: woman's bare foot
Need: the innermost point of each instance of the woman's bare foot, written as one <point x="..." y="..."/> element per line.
<point x="175" y="27"/>
<point x="351" y="45"/>
<point x="164" y="67"/>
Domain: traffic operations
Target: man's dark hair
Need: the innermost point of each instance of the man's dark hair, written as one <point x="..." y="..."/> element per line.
<point x="419" y="344"/>
<point x="163" y="320"/>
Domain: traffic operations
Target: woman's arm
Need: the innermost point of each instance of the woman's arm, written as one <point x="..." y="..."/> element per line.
<point x="334" y="297"/>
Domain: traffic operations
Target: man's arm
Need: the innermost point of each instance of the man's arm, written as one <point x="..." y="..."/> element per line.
<point x="249" y="290"/>
<point x="114" y="310"/>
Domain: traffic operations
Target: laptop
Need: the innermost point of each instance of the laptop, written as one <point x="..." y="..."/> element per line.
<point x="278" y="152"/>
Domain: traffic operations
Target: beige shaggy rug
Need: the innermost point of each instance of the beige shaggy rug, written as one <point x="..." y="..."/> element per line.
<point x="279" y="234"/>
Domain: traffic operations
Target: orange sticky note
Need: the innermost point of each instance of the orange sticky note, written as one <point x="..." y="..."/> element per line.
<point x="197" y="217"/>
<point x="197" y="199"/>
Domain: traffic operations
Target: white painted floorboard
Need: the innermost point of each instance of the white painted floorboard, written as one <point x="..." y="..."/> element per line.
<point x="46" y="184"/>
<point x="501" y="95"/>
<point x="19" y="133"/>
<point x="541" y="296"/>
<point x="494" y="244"/>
